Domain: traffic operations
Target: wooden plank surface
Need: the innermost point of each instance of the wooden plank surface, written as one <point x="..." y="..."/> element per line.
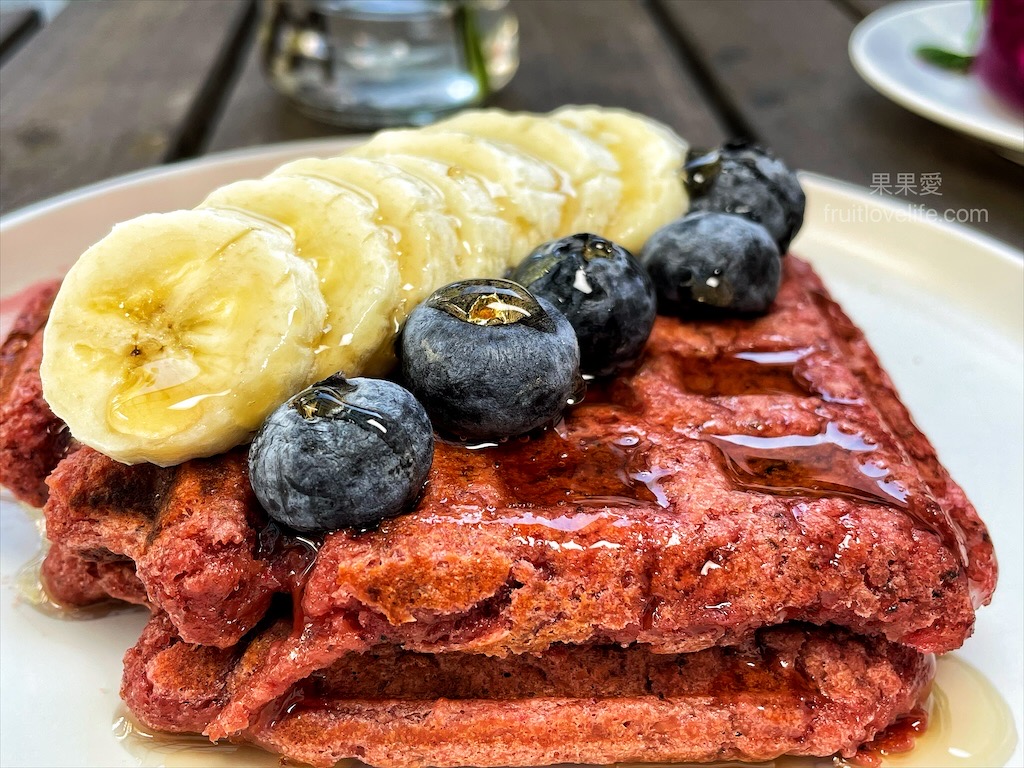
<point x="572" y="51"/>
<point x="16" y="27"/>
<point x="864" y="7"/>
<point x="784" y="67"/>
<point x="610" y="53"/>
<point x="110" y="87"/>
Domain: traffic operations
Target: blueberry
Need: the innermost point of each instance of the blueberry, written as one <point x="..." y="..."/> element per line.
<point x="750" y="181"/>
<point x="602" y="290"/>
<point x="340" y="454"/>
<point x="713" y="260"/>
<point x="488" y="360"/>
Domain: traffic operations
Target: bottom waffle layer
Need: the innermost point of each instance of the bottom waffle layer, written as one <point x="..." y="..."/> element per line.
<point x="791" y="689"/>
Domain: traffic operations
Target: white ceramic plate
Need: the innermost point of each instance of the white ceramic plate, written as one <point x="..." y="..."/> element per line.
<point x="941" y="305"/>
<point x="882" y="49"/>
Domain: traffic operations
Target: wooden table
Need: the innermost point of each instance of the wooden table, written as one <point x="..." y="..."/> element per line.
<point x="113" y="86"/>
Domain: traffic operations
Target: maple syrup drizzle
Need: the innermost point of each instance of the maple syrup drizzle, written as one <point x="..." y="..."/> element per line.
<point x="583" y="472"/>
<point x="293" y="557"/>
<point x="829" y="463"/>
<point x="898" y="738"/>
<point x="832" y="463"/>
<point x="28" y="583"/>
<point x="744" y="373"/>
<point x="557" y="467"/>
<point x="568" y="523"/>
<point x="613" y="391"/>
<point x="167" y="750"/>
<point x="969" y="725"/>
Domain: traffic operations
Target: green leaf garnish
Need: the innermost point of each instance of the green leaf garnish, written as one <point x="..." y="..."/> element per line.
<point x="954" y="61"/>
<point x="948" y="60"/>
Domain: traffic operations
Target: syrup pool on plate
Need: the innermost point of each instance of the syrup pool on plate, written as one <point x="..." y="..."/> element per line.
<point x="28" y="584"/>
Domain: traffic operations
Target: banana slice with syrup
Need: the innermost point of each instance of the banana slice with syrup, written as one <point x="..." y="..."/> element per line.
<point x="410" y="211"/>
<point x="527" y="192"/>
<point x="336" y="232"/>
<point x="651" y="159"/>
<point x="484" y="237"/>
<point x="175" y="335"/>
<point x="588" y="172"/>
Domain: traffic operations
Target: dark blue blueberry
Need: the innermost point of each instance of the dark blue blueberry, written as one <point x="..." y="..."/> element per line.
<point x="602" y="290"/>
<point x="713" y="261"/>
<point x="342" y="454"/>
<point x="750" y="181"/>
<point x="488" y="360"/>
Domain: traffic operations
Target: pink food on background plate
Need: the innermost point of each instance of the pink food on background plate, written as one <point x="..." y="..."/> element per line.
<point x="1000" y="59"/>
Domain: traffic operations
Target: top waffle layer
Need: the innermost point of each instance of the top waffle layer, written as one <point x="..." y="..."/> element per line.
<point x="747" y="473"/>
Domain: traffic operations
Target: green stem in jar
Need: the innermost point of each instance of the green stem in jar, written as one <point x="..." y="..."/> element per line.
<point x="467" y="31"/>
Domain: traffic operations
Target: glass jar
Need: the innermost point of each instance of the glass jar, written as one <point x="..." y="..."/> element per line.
<point x="373" y="63"/>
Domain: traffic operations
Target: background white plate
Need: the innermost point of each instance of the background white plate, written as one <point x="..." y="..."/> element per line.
<point x="942" y="306"/>
<point x="882" y="49"/>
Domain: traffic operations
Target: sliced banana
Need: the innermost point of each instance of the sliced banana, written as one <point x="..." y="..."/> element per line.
<point x="651" y="158"/>
<point x="337" y="234"/>
<point x="175" y="335"/>
<point x="588" y="172"/>
<point x="484" y="237"/>
<point x="410" y="211"/>
<point x="526" y="191"/>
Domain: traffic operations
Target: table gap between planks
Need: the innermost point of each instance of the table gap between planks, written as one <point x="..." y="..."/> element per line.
<point x="16" y="27"/>
<point x="113" y="86"/>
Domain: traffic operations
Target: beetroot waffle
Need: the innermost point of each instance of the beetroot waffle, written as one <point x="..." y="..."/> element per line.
<point x="747" y="474"/>
<point x="793" y="688"/>
<point x="32" y="439"/>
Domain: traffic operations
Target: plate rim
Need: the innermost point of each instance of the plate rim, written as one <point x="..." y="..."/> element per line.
<point x="1000" y="250"/>
<point x="19" y="216"/>
<point x="879" y="79"/>
<point x="1004" y="254"/>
